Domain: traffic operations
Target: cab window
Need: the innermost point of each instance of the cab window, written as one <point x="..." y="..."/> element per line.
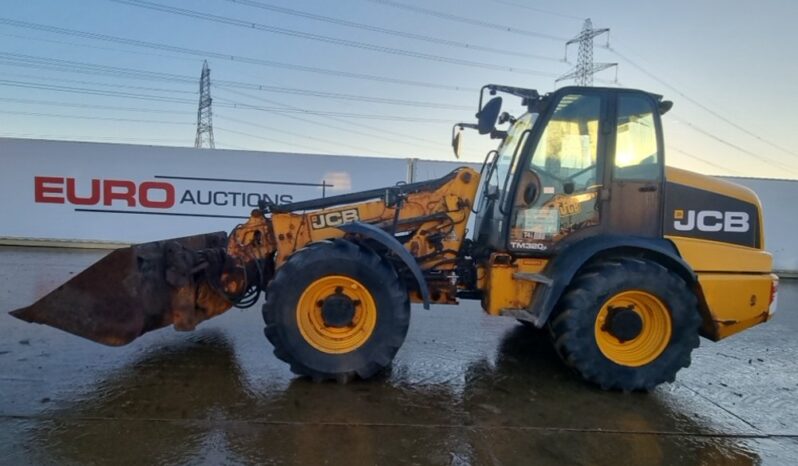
<point x="557" y="192"/>
<point x="505" y="163"/>
<point x="637" y="155"/>
<point x="567" y="149"/>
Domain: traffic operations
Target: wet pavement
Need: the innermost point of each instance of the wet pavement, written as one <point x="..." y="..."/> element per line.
<point x="464" y="389"/>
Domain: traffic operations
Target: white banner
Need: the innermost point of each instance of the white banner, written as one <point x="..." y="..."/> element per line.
<point x="53" y="190"/>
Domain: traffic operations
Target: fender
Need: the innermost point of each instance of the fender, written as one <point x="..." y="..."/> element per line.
<point x="382" y="237"/>
<point x="564" y="266"/>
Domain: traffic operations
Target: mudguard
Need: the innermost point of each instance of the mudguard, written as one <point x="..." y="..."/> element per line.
<point x="381" y="236"/>
<point x="562" y="269"/>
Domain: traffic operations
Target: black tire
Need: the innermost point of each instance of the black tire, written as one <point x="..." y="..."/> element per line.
<point x="573" y="326"/>
<point x="342" y="258"/>
<point x="532" y="328"/>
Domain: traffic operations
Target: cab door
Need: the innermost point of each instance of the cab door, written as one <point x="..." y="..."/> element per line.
<point x="635" y="167"/>
<point x="559" y="180"/>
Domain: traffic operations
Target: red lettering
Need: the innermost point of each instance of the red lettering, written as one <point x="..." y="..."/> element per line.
<point x="44" y="185"/>
<point x="127" y="192"/>
<point x="152" y="194"/>
<point x="73" y="198"/>
<point x="144" y="195"/>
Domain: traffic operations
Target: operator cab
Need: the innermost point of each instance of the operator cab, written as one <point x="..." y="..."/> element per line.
<point x="560" y="162"/>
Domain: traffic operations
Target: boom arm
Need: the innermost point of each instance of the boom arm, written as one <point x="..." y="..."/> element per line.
<point x="184" y="281"/>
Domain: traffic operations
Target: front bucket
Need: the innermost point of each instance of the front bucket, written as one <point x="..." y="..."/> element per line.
<point x="124" y="294"/>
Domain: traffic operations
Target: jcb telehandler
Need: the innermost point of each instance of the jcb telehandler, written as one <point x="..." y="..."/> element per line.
<point x="580" y="228"/>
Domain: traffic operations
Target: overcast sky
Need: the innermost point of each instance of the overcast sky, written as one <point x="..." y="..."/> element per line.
<point x="729" y="67"/>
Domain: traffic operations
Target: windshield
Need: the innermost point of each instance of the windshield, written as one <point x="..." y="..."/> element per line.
<point x="568" y="145"/>
<point x="504" y="160"/>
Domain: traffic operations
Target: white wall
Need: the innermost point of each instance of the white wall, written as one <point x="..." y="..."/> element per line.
<point x="225" y="178"/>
<point x="780" y="209"/>
<point x="222" y="179"/>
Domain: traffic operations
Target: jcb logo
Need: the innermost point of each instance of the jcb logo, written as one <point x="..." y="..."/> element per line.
<point x="711" y="220"/>
<point x="333" y="219"/>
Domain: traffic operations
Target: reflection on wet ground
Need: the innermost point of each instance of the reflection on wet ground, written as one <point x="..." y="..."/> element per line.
<point x="465" y="389"/>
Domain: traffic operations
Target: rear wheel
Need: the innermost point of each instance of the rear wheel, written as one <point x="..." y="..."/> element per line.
<point x="335" y="310"/>
<point x="627" y="324"/>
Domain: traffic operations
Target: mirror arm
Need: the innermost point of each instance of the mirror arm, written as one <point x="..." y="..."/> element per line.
<point x="498" y="134"/>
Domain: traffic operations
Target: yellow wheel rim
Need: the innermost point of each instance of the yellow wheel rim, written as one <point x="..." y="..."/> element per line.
<point x="332" y="339"/>
<point x="654" y="336"/>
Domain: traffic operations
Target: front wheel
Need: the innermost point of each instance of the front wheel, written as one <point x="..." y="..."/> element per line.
<point x="335" y="310"/>
<point x="627" y="324"/>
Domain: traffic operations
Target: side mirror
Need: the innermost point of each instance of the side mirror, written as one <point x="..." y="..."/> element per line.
<point x="456" y="143"/>
<point x="487" y="116"/>
<point x="457" y="130"/>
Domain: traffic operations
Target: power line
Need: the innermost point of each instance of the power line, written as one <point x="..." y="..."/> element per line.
<point x="93" y="47"/>
<point x="53" y="103"/>
<point x="365" y="116"/>
<point x="228" y="57"/>
<point x="339" y="96"/>
<point x="465" y="20"/>
<point x="161" y="122"/>
<point x="377" y="133"/>
<point x="327" y="39"/>
<point x="272" y="140"/>
<point x="49" y="63"/>
<point x="289" y="143"/>
<point x="392" y="32"/>
<point x="299" y="135"/>
<point x="127" y="95"/>
<point x="91" y="138"/>
<point x="29" y="61"/>
<point x="700" y="105"/>
<point x="88" y="91"/>
<point x="539" y="10"/>
<point x="701" y="159"/>
<point x="100" y="84"/>
<point x="81" y="117"/>
<point x="736" y="147"/>
<point x="380" y="134"/>
<point x="165" y="122"/>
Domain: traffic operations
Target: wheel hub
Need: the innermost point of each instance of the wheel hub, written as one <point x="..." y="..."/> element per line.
<point x="336" y="314"/>
<point x="624" y="323"/>
<point x="633" y="328"/>
<point x="338" y="310"/>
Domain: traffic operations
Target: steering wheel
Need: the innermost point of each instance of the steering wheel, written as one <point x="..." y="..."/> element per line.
<point x="584" y="170"/>
<point x="562" y="182"/>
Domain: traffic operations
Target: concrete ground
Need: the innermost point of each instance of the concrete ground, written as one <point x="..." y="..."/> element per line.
<point x="464" y="389"/>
